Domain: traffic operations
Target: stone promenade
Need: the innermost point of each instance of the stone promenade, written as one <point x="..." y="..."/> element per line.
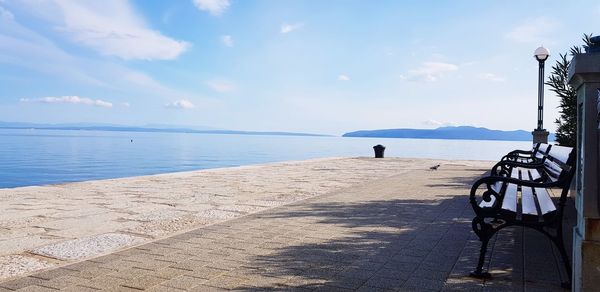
<point x="407" y="232"/>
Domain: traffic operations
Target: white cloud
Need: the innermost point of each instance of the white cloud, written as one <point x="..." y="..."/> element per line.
<point x="181" y="104"/>
<point x="110" y="27"/>
<point x="343" y="77"/>
<point x="214" y="7"/>
<point x="287" y="28"/>
<point x="25" y="48"/>
<point x="492" y="77"/>
<point x="221" y="86"/>
<point x="227" y="40"/>
<point x="536" y="30"/>
<point x="431" y="71"/>
<point x="73" y="99"/>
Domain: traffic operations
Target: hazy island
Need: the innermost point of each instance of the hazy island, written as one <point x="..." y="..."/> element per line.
<point x="460" y="133"/>
<point x="146" y="128"/>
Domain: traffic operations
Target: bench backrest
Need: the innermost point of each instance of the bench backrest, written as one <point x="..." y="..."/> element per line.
<point x="560" y="163"/>
<point x="542" y="150"/>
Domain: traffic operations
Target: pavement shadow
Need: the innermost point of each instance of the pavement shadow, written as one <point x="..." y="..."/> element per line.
<point x="387" y="244"/>
<point x="399" y="244"/>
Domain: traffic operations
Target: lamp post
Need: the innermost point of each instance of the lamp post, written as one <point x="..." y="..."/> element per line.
<point x="540" y="135"/>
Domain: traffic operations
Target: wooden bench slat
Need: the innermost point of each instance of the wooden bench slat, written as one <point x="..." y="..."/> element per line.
<point x="534" y="174"/>
<point x="515" y="172"/>
<point x="553" y="169"/>
<point x="528" y="202"/>
<point x="510" y="198"/>
<point x="561" y="153"/>
<point x="545" y="201"/>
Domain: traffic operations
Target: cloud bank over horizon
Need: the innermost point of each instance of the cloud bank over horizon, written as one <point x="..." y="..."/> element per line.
<point x="69" y="100"/>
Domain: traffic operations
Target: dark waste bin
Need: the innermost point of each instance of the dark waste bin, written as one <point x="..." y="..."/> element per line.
<point x="379" y="149"/>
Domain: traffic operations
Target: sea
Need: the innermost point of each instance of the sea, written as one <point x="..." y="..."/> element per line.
<point x="31" y="157"/>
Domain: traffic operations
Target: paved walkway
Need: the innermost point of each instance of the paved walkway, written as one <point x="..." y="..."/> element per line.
<point x="410" y="232"/>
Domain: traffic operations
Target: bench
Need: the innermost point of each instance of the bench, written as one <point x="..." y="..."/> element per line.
<point x="518" y="199"/>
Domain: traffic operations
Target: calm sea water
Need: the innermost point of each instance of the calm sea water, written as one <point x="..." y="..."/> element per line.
<point x="39" y="157"/>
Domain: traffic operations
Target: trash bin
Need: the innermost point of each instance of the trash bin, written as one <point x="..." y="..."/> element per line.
<point x="379" y="149"/>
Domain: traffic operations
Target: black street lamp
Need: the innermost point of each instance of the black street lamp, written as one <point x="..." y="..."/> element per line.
<point x="540" y="135"/>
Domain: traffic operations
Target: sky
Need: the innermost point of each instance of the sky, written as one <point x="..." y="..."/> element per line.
<point x="326" y="67"/>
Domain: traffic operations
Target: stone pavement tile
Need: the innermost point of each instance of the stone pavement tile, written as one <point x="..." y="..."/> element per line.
<point x="183" y="282"/>
<point x="303" y="282"/>
<point x="357" y="273"/>
<point x="366" y="265"/>
<point x="169" y="273"/>
<point x="63" y="282"/>
<point x="328" y="288"/>
<point x="365" y="288"/>
<point x="179" y="256"/>
<point x="106" y="258"/>
<point x="345" y="282"/>
<point x="430" y="274"/>
<point x="117" y="265"/>
<point x="22" y="283"/>
<point x="118" y="289"/>
<point x="81" y="266"/>
<point x="394" y="274"/>
<point x="226" y="282"/>
<point x="54" y="273"/>
<point x="406" y="258"/>
<point x="204" y="288"/>
<point x="244" y="272"/>
<point x="93" y="272"/>
<point x="534" y="287"/>
<point x="385" y="283"/>
<point x="466" y="284"/>
<point x="129" y="273"/>
<point x="189" y="265"/>
<point x="76" y="288"/>
<point x="224" y="264"/>
<point x="143" y="282"/>
<point x="422" y="283"/>
<point x="438" y="266"/>
<point x="205" y="272"/>
<point x="161" y="288"/>
<point x="35" y="288"/>
<point x="103" y="282"/>
<point x="153" y="265"/>
<point x="319" y="273"/>
<point x="401" y="266"/>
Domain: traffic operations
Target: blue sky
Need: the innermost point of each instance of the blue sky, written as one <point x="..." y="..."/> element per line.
<point x="309" y="66"/>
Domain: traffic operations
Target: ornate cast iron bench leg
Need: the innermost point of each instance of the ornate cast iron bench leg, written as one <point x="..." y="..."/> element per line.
<point x="484" y="231"/>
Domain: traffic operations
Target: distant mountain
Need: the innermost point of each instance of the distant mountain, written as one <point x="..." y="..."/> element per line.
<point x="461" y="133"/>
<point x="156" y="128"/>
<point x="167" y="126"/>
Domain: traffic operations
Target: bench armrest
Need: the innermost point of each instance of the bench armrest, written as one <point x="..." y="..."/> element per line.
<point x="526" y="183"/>
<point x="525" y="152"/>
<point x="503" y="167"/>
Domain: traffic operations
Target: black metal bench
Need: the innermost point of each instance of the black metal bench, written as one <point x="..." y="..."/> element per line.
<point x="509" y="200"/>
